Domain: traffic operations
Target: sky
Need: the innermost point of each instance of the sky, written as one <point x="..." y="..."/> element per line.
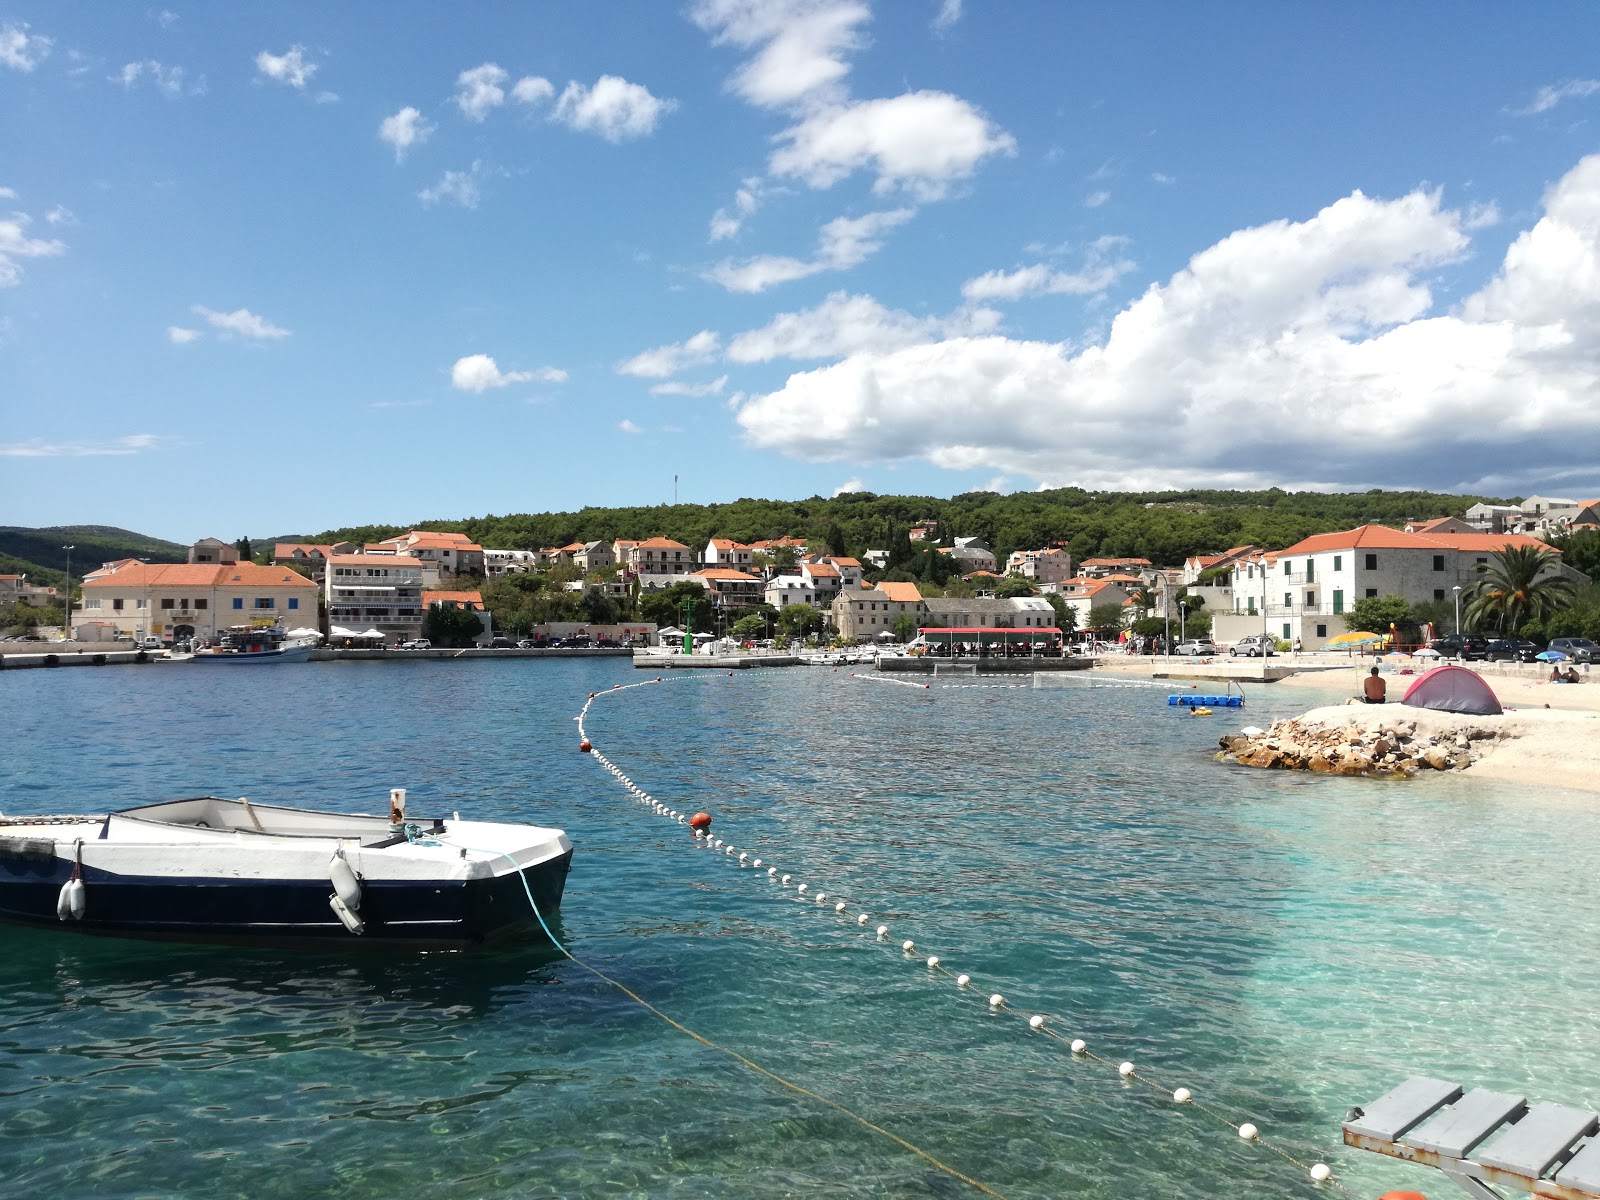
<point x="272" y="269"/>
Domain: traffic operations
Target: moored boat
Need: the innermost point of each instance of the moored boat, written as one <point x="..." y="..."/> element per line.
<point x="211" y="869"/>
<point x="260" y="643"/>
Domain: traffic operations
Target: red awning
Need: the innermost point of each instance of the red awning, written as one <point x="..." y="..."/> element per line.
<point x="987" y="632"/>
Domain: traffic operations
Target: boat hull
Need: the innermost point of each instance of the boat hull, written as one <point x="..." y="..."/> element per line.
<point x="238" y="657"/>
<point x="405" y="913"/>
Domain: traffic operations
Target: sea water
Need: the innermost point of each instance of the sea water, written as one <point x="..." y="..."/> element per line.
<point x="1284" y="945"/>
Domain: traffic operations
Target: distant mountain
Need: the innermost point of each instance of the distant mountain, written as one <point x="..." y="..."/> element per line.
<point x="38" y="553"/>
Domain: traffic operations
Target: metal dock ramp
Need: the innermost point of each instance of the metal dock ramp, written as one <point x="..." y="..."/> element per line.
<point x="1491" y="1144"/>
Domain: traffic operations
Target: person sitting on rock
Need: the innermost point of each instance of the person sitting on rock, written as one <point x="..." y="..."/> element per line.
<point x="1572" y="675"/>
<point x="1373" y="689"/>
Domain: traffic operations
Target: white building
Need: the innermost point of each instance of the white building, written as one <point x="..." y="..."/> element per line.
<point x="1050" y="565"/>
<point x="377" y="591"/>
<point x="725" y="552"/>
<point x="176" y="602"/>
<point x="784" y="590"/>
<point x="509" y="562"/>
<point x="658" y="556"/>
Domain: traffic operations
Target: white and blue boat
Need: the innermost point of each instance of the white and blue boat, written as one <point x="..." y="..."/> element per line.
<point x="211" y="869"/>
<point x="260" y="644"/>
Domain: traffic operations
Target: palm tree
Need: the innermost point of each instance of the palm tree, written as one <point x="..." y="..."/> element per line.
<point x="1511" y="592"/>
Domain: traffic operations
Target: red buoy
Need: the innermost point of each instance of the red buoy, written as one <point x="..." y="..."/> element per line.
<point x="1402" y="1196"/>
<point x="700" y="821"/>
<point x="585" y="746"/>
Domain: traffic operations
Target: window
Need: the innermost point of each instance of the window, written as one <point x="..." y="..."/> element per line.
<point x="1311" y="599"/>
<point x="141" y="605"/>
<point x="167" y="602"/>
<point x="264" y="602"/>
<point x="1372" y="562"/>
<point x="202" y="603"/>
<point x="1288" y="599"/>
<point x="1338" y="562"/>
<point x="1311" y="569"/>
<point x="1286" y="631"/>
<point x="1250" y="605"/>
<point x="294" y="601"/>
<point x="1322" y="631"/>
<point x="1286" y="566"/>
<point x="116" y="604"/>
<point x="238" y="601"/>
<point x="1371" y="592"/>
<point x="1438" y="562"/>
<point x="1338" y="602"/>
<point x="92" y="602"/>
<point x="1438" y="593"/>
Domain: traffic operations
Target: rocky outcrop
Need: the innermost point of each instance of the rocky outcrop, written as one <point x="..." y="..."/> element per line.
<point x="1390" y="745"/>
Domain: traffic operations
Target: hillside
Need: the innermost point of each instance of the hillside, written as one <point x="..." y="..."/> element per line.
<point x="1165" y="527"/>
<point x="38" y="553"/>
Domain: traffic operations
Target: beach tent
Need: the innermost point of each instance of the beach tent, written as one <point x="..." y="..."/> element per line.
<point x="1452" y="689"/>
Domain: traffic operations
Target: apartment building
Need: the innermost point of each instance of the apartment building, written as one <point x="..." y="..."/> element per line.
<point x="181" y="601"/>
<point x="376" y="591"/>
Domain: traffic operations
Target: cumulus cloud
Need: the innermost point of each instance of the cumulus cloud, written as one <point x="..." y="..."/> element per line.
<point x="289" y="68"/>
<point x="21" y="50"/>
<point x="613" y="108"/>
<point x="479" y="373"/>
<point x="850" y="485"/>
<point x="726" y="222"/>
<point x="166" y="80"/>
<point x="1096" y="199"/>
<point x="461" y="188"/>
<point x="480" y="89"/>
<point x="842" y="243"/>
<point x="60" y="215"/>
<point x="843" y="325"/>
<point x="627" y="426"/>
<point x="1297" y="353"/>
<point x="693" y="390"/>
<point x="1551" y="95"/>
<point x="672" y="358"/>
<point x="949" y="13"/>
<point x="921" y="142"/>
<point x="1103" y="264"/>
<point x="180" y="336"/>
<point x="16" y="244"/>
<point x="241" y="322"/>
<point x="133" y="443"/>
<point x="532" y="89"/>
<point x="800" y="45"/>
<point x="404" y="130"/>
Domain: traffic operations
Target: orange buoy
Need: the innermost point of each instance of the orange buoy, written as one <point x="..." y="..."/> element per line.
<point x="1402" y="1196"/>
<point x="700" y="821"/>
<point x="585" y="746"/>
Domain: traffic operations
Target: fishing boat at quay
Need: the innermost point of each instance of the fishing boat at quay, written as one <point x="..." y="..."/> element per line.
<point x="213" y="869"/>
<point x="260" y="644"/>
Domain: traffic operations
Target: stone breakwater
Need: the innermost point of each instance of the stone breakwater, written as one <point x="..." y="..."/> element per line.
<point x="1389" y="744"/>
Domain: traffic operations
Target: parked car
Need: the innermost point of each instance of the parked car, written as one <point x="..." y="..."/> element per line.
<point x="150" y="643"/>
<point x="1465" y="646"/>
<point x="1256" y="645"/>
<point x="525" y="644"/>
<point x="501" y="643"/>
<point x="417" y="644"/>
<point x="1195" y="646"/>
<point x="1512" y="650"/>
<point x="1578" y="649"/>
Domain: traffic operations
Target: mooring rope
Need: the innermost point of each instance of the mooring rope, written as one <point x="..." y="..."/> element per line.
<point x="1247" y="1131"/>
<point x="700" y="1037"/>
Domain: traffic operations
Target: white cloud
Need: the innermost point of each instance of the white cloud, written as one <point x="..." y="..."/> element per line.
<point x="614" y="108"/>
<point x="672" y="358"/>
<point x="8" y="193"/>
<point x="844" y="324"/>
<point x="949" y="13"/>
<point x="842" y="243"/>
<point x="133" y="443"/>
<point x="179" y="336"/>
<point x="1103" y="265"/>
<point x="800" y="45"/>
<point x="166" y="18"/>
<point x="850" y="485"/>
<point x="1096" y="199"/>
<point x="1551" y="95"/>
<point x="480" y="89"/>
<point x="404" y="130"/>
<point x="241" y="322"/>
<point x="479" y="373"/>
<point x="1294" y="353"/>
<point x="725" y="223"/>
<point x="166" y="80"/>
<point x="694" y="390"/>
<point x="455" y="187"/>
<point x="1162" y="178"/>
<point x="921" y="142"/>
<point x="60" y="215"/>
<point x="627" y="426"/>
<point x="289" y="68"/>
<point x="531" y="89"/>
<point x="21" y="50"/>
<point x="15" y="243"/>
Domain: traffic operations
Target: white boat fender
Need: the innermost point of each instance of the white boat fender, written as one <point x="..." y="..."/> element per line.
<point x="73" y="901"/>
<point x="345" y="884"/>
<point x="352" y="921"/>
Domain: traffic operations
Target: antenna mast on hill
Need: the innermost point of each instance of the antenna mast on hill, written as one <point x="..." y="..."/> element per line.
<point x="674" y="491"/>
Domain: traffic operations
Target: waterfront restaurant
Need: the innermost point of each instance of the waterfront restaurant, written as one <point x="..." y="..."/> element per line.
<point x="958" y="641"/>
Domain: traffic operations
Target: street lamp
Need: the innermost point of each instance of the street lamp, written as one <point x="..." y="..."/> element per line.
<point x="69" y="550"/>
<point x="1457" y="591"/>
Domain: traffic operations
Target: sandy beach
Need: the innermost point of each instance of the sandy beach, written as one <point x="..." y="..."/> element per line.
<point x="1553" y="729"/>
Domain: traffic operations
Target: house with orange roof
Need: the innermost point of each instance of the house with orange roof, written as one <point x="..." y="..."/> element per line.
<point x="1083" y="593"/>
<point x="1050" y="565"/>
<point x="658" y="556"/>
<point x="725" y="552"/>
<point x="594" y="556"/>
<point x="440" y="553"/>
<point x="312" y="556"/>
<point x="376" y="591"/>
<point x="1097" y="568"/>
<point x="1439" y="525"/>
<point x="730" y="591"/>
<point x="861" y="615"/>
<point x="1305" y="590"/>
<point x="824" y="578"/>
<point x="850" y="570"/>
<point x="471" y="601"/>
<point x="1194" y="565"/>
<point x="180" y="601"/>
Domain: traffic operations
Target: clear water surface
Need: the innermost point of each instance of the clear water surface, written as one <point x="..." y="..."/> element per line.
<point x="1284" y="945"/>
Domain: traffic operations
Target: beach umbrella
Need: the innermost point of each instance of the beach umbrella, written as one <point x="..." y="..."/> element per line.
<point x="1427" y="652"/>
<point x="371" y="633"/>
<point x="1395" y="654"/>
<point x="304" y="633"/>
<point x="1357" y="638"/>
<point x="1550" y="656"/>
<point x="340" y="631"/>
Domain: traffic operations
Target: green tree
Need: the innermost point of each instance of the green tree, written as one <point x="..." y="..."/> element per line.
<point x="798" y="620"/>
<point x="834" y="537"/>
<point x="1014" y="585"/>
<point x="1580" y="550"/>
<point x="785" y="558"/>
<point x="1149" y="626"/>
<point x="243" y="547"/>
<point x="1104" y="618"/>
<point x="599" y="608"/>
<point x="1512" y="591"/>
<point x="901" y="551"/>
<point x="448" y="626"/>
<point x="1066" y="615"/>
<point x="1374" y="614"/>
<point x="666" y="607"/>
<point x="905" y="627"/>
<point x="748" y="627"/>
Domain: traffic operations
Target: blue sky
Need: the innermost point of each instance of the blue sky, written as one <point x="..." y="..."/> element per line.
<point x="281" y="268"/>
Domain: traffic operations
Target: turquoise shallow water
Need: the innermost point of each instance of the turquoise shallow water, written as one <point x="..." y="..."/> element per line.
<point x="1284" y="945"/>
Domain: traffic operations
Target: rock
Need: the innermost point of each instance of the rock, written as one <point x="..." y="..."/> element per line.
<point x="1380" y="748"/>
<point x="1437" y="758"/>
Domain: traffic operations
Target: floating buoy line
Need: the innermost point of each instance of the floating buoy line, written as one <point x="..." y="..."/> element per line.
<point x="760" y="867"/>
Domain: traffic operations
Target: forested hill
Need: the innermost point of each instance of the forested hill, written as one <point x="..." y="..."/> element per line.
<point x="38" y="553"/>
<point x="1165" y="527"/>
